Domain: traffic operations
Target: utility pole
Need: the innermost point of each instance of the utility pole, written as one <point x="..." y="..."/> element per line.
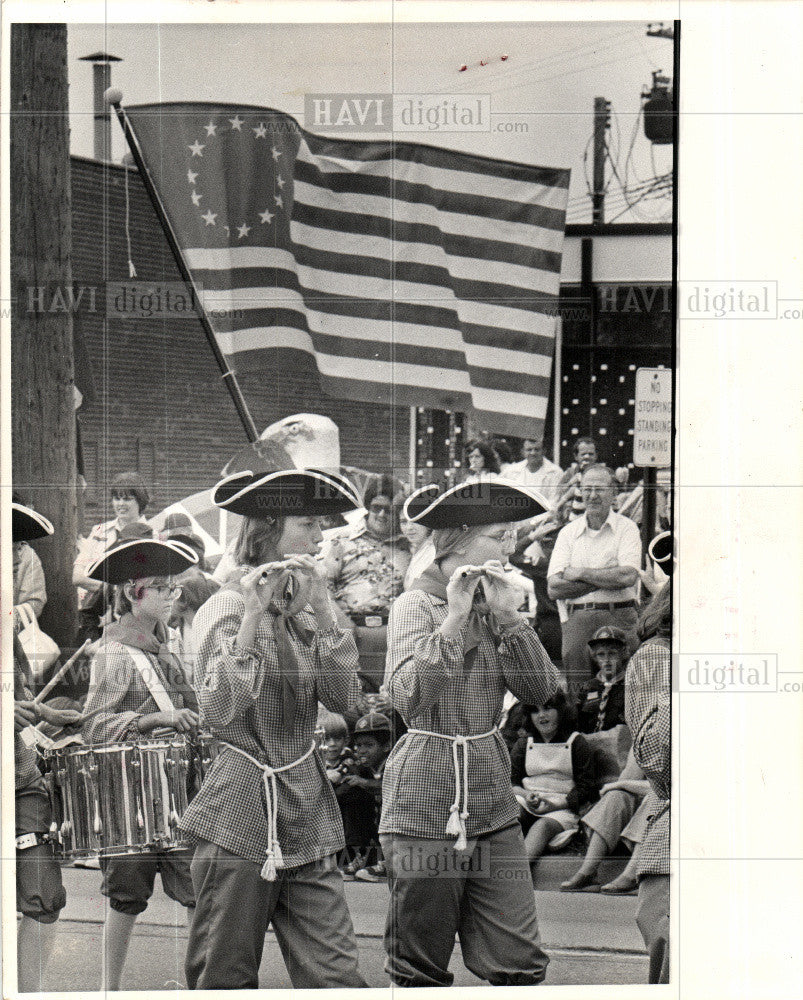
<point x="42" y="405"/>
<point x="602" y="122"/>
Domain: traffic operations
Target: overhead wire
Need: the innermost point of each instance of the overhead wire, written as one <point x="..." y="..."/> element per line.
<point x="513" y="71"/>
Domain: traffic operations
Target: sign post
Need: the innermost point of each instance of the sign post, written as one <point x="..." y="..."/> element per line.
<point x="652" y="437"/>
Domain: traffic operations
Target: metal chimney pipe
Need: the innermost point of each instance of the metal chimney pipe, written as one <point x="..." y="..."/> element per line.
<point x="101" y="81"/>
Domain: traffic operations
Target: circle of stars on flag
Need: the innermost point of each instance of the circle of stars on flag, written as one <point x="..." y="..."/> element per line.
<point x="260" y="131"/>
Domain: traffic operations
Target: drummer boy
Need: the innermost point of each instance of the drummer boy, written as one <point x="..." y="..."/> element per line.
<point x="40" y="892"/>
<point x="137" y="685"/>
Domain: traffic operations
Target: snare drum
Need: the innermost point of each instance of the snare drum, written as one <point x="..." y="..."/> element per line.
<point x="119" y="799"/>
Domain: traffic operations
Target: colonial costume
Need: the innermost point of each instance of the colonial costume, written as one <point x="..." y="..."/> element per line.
<point x="447" y="799"/>
<point x="266" y="822"/>
<point x="136" y="684"/>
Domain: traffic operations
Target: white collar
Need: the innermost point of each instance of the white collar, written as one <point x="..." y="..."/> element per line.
<point x="608" y="522"/>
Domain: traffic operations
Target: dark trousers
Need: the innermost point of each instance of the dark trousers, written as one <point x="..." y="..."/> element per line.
<point x="372" y="647"/>
<point x="483" y="895"/>
<point x="652" y="917"/>
<point x="305" y="905"/>
<point x="358" y="810"/>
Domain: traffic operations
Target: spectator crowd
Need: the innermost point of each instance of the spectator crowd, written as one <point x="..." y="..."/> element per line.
<point x="589" y="765"/>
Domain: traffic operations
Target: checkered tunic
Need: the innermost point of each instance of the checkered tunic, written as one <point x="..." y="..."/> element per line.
<point x="647" y="711"/>
<point x="427" y="683"/>
<point x="240" y="697"/>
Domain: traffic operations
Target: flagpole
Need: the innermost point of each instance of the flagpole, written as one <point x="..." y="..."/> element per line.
<point x="556" y="389"/>
<point x="113" y="97"/>
<point x="413" y="446"/>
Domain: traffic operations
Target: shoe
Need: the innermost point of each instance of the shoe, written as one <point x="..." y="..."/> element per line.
<point x="373" y="873"/>
<point x="350" y="870"/>
<point x="581" y="883"/>
<point x="621" y="887"/>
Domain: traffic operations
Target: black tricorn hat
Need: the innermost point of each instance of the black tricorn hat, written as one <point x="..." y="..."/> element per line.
<point x="662" y="550"/>
<point x="28" y="524"/>
<point x="290" y="492"/>
<point x="488" y="501"/>
<point x="141" y="557"/>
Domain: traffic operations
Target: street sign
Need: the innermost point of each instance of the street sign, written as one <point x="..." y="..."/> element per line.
<point x="652" y="432"/>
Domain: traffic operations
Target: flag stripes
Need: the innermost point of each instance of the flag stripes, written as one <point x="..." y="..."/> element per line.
<point x="411" y="274"/>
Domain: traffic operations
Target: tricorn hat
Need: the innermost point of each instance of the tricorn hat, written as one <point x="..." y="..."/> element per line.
<point x="27" y="524"/>
<point x="488" y="501"/>
<point x="141" y="557"/>
<point x="662" y="550"/>
<point x="290" y="492"/>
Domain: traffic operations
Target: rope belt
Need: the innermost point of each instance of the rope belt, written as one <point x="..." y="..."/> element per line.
<point x="274" y="859"/>
<point x="456" y="824"/>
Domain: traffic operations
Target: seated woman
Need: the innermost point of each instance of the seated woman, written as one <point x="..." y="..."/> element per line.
<point x="609" y="820"/>
<point x="554" y="773"/>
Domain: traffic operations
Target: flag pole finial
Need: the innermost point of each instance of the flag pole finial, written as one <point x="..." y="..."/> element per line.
<point x="113" y="95"/>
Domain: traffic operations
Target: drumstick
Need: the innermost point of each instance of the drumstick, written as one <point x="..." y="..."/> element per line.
<point x="59" y="674"/>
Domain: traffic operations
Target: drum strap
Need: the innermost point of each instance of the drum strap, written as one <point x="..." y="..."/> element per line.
<point x="274" y="859"/>
<point x="151" y="680"/>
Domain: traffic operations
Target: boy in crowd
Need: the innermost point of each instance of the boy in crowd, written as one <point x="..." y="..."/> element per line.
<point x="359" y="794"/>
<point x="337" y="754"/>
<point x="602" y="700"/>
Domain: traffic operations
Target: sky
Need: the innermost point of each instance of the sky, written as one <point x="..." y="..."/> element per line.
<point x="542" y="95"/>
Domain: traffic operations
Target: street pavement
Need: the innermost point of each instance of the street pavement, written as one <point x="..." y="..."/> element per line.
<point x="591" y="939"/>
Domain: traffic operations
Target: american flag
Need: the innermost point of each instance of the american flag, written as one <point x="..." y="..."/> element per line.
<point x="414" y="275"/>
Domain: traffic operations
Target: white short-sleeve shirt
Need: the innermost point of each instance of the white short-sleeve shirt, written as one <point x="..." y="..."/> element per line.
<point x="617" y="543"/>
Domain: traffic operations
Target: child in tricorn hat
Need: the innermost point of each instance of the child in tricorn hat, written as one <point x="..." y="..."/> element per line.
<point x="137" y="685"/>
<point x="266" y="823"/>
<point x="456" y="642"/>
<point x="40" y="892"/>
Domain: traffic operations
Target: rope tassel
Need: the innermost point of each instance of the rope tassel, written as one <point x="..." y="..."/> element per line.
<point x="456" y="824"/>
<point x="269" y="868"/>
<point x="274" y="859"/>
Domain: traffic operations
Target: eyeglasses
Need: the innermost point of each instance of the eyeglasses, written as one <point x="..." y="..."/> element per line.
<point x="170" y="590"/>
<point x="508" y="535"/>
<point x="377" y="507"/>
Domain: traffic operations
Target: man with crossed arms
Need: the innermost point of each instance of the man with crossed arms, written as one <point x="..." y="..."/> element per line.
<point x="594" y="569"/>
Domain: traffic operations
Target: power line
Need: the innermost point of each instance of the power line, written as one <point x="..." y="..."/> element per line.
<point x="571" y="72"/>
<point x="513" y="72"/>
<point x="654" y="188"/>
<point x="641" y="198"/>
